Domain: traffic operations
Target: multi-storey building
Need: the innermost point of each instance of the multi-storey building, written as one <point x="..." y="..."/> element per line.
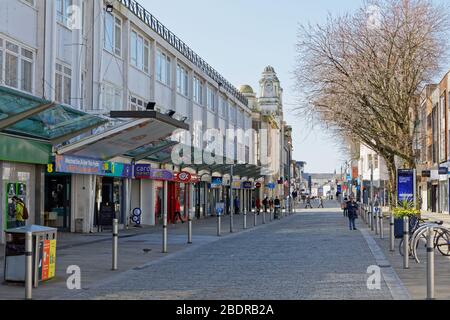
<point x="91" y="57"/>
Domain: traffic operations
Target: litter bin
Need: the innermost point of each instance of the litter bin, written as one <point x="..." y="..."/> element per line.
<point x="43" y="254"/>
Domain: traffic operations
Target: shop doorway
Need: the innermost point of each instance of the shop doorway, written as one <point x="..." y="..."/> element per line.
<point x="57" y="202"/>
<point x="434" y="197"/>
<point x="109" y="201"/>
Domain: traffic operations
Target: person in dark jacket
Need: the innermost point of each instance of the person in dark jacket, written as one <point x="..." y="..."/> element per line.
<point x="352" y="212"/>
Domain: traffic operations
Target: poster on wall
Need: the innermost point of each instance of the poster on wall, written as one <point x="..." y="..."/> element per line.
<point x="405" y="185"/>
<point x="13" y="189"/>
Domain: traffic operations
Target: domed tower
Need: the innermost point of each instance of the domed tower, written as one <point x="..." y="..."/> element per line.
<point x="270" y="100"/>
<point x="248" y="92"/>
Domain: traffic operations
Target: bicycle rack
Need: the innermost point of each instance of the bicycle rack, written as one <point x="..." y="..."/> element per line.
<point x="421" y="231"/>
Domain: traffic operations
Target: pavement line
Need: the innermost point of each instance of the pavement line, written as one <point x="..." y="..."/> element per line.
<point x="395" y="285"/>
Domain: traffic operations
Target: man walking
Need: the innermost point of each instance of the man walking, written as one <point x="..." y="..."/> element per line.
<point x="352" y="212"/>
<point x="308" y="203"/>
<point x="320" y="202"/>
<point x="265" y="203"/>
<point x="236" y="205"/>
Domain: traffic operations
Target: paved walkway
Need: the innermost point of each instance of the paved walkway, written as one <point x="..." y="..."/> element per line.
<point x="310" y="255"/>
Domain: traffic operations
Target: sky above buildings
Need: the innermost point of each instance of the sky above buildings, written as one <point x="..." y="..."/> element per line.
<point x="240" y="37"/>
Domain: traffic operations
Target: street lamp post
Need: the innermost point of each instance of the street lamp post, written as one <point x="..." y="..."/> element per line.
<point x="231" y="199"/>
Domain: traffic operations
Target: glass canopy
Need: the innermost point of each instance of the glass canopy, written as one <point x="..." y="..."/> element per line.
<point x="39" y="118"/>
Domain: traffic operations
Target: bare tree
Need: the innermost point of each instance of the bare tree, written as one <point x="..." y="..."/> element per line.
<point x="360" y="74"/>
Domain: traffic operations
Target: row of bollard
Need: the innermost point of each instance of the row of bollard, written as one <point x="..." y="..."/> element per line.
<point x="375" y="222"/>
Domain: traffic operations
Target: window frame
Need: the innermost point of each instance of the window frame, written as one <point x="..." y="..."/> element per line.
<point x="62" y="16"/>
<point x="64" y="77"/>
<point x="182" y="80"/>
<point x="164" y="67"/>
<point x="144" y="64"/>
<point x="116" y="91"/>
<point x="197" y="94"/>
<point x="21" y="58"/>
<point x="114" y="50"/>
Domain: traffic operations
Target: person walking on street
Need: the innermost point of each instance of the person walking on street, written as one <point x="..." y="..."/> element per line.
<point x="308" y="203"/>
<point x="320" y="202"/>
<point x="21" y="212"/>
<point x="258" y="206"/>
<point x="236" y="205"/>
<point x="265" y="203"/>
<point x="277" y="205"/>
<point x="344" y="206"/>
<point x="352" y="212"/>
<point x="178" y="212"/>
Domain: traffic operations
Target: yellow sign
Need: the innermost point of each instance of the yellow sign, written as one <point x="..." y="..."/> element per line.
<point x="52" y="264"/>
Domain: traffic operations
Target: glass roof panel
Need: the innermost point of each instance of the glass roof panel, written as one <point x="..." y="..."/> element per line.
<point x="50" y="124"/>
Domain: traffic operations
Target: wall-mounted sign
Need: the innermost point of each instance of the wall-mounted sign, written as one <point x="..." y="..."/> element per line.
<point x="426" y="173"/>
<point x="443" y="170"/>
<point x="216" y="182"/>
<point x="145" y="171"/>
<point x="183" y="177"/>
<point x="247" y="185"/>
<point x="70" y="164"/>
<point x="237" y="184"/>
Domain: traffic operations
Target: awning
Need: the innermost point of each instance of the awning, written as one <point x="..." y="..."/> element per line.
<point x="142" y="138"/>
<point x="29" y="116"/>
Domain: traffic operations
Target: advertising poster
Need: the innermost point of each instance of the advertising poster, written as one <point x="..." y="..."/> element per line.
<point x="52" y="259"/>
<point x="216" y="182"/>
<point x="45" y="259"/>
<point x="405" y="185"/>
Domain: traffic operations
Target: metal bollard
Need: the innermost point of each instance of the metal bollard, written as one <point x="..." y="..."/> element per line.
<point x="430" y="264"/>
<point x="391" y="233"/>
<point x="376" y="221"/>
<point x="264" y="218"/>
<point x="372" y="227"/>
<point x="381" y="225"/>
<point x="254" y="219"/>
<point x="28" y="265"/>
<point x="190" y="230"/>
<point x="245" y="220"/>
<point x="115" y="238"/>
<point x="219" y="225"/>
<point x="270" y="215"/>
<point x="405" y="243"/>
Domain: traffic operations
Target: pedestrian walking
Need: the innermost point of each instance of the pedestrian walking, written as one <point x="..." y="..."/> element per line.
<point x="236" y="205"/>
<point x="352" y="211"/>
<point x="265" y="203"/>
<point x="258" y="206"/>
<point x="308" y="203"/>
<point x="20" y="212"/>
<point x="344" y="207"/>
<point x="178" y="211"/>
<point x="271" y="204"/>
<point x="277" y="205"/>
<point x="320" y="202"/>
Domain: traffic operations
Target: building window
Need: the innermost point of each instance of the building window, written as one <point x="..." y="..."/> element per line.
<point x="62" y="12"/>
<point x="63" y="84"/>
<point x="223" y="106"/>
<point x="182" y="80"/>
<point x="210" y="99"/>
<point x="162" y="67"/>
<point x="232" y="113"/>
<point x="113" y="34"/>
<point x="112" y="97"/>
<point x="136" y="104"/>
<point x="198" y="91"/>
<point x="375" y="160"/>
<point x="17" y="63"/>
<point x="140" y="52"/>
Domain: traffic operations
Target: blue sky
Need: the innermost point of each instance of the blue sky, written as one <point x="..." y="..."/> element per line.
<point x="240" y="37"/>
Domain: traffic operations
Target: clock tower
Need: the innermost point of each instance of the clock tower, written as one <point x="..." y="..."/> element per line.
<point x="270" y="100"/>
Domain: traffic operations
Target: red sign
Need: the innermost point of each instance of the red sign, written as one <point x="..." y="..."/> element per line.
<point x="183" y="176"/>
<point x="258" y="185"/>
<point x="45" y="259"/>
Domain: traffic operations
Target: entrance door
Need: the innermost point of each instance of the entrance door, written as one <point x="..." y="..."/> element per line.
<point x="434" y="197"/>
<point x="57" y="201"/>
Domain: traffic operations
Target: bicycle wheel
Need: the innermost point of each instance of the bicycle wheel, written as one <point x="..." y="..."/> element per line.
<point x="443" y="243"/>
<point x="400" y="247"/>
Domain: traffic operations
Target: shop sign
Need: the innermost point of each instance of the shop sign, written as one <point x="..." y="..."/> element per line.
<point x="236" y="184"/>
<point x="443" y="170"/>
<point x="145" y="171"/>
<point x="183" y="177"/>
<point x="247" y="185"/>
<point x="216" y="182"/>
<point x="70" y="164"/>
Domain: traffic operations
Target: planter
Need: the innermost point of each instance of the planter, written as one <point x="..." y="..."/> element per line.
<point x="398" y="226"/>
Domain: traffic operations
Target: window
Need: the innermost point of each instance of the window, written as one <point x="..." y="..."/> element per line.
<point x="113" y="34"/>
<point x="112" y="97"/>
<point x="369" y="161"/>
<point x="63" y="81"/>
<point x="210" y="99"/>
<point x="232" y="113"/>
<point x="17" y="63"/>
<point x="62" y="6"/>
<point x="162" y="67"/>
<point x="198" y="91"/>
<point x="182" y="80"/>
<point x="223" y="106"/>
<point x="136" y="104"/>
<point x="375" y="160"/>
<point x="140" y="52"/>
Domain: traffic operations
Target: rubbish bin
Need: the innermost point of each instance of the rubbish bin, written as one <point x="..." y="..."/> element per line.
<point x="43" y="254"/>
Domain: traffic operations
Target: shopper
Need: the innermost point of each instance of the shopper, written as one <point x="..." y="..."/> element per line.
<point x="352" y="212"/>
<point x="277" y="205"/>
<point x="21" y="212"/>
